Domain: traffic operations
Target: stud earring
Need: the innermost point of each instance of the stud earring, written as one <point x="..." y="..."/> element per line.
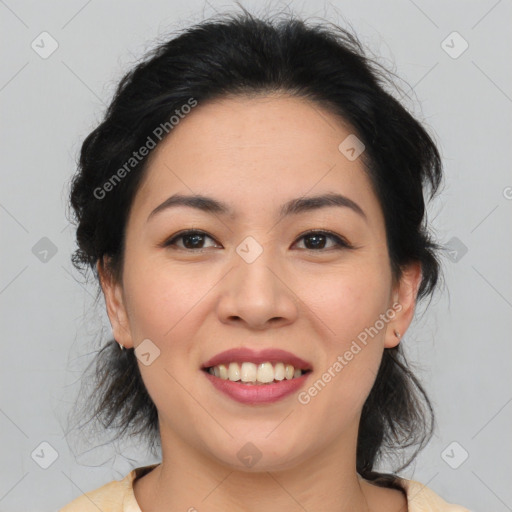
<point x="121" y="346"/>
<point x="397" y="334"/>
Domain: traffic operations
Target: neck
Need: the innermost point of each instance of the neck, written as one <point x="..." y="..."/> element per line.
<point x="188" y="480"/>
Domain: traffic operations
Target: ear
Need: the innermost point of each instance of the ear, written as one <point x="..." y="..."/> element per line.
<point x="116" y="310"/>
<point x="404" y="301"/>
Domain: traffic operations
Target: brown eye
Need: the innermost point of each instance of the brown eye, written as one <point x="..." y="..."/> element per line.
<point x="317" y="240"/>
<point x="192" y="240"/>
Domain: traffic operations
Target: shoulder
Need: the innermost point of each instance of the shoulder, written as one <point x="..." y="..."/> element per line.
<point x="115" y="496"/>
<point x="108" y="498"/>
<point x="422" y="499"/>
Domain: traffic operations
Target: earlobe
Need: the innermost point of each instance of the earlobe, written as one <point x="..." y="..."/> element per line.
<point x="114" y="302"/>
<point x="404" y="296"/>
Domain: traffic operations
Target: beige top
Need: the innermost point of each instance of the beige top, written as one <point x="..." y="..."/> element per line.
<point x="118" y="496"/>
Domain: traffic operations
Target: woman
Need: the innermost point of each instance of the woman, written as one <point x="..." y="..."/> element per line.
<point x="253" y="208"/>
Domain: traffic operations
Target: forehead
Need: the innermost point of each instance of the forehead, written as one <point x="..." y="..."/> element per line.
<point x="256" y="153"/>
<point x="264" y="127"/>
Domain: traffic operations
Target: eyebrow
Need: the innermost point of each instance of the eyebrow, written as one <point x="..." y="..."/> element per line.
<point x="292" y="207"/>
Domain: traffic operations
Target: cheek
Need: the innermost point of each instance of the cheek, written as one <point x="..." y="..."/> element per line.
<point x="334" y="401"/>
<point x="352" y="349"/>
<point x="350" y="305"/>
<point x="162" y="304"/>
<point x="348" y="300"/>
<point x="159" y="298"/>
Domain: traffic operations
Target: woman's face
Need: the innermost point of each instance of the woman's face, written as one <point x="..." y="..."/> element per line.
<point x="253" y="280"/>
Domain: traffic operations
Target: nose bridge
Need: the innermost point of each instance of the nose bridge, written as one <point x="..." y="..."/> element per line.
<point x="258" y="274"/>
<point x="253" y="276"/>
<point x="255" y="290"/>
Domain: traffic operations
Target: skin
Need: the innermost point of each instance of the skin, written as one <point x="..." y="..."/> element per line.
<point x="256" y="154"/>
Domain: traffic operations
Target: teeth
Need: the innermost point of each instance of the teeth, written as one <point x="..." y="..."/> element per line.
<point x="234" y="372"/>
<point x="279" y="371"/>
<point x="223" y="371"/>
<point x="265" y="373"/>
<point x="248" y="372"/>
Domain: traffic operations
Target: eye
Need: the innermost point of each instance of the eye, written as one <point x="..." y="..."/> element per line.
<point x="317" y="240"/>
<point x="193" y="240"/>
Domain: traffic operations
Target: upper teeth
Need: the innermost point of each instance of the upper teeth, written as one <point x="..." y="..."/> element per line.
<point x="250" y="372"/>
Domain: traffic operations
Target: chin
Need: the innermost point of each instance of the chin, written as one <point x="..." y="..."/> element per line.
<point x="260" y="455"/>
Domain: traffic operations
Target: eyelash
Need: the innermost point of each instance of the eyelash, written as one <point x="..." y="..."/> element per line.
<point x="340" y="243"/>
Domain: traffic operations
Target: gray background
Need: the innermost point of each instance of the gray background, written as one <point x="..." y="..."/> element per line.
<point x="49" y="323"/>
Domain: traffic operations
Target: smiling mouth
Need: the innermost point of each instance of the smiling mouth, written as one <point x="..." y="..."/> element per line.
<point x="256" y="374"/>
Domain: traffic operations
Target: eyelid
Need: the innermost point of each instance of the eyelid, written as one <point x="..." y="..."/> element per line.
<point x="339" y="241"/>
<point x="168" y="242"/>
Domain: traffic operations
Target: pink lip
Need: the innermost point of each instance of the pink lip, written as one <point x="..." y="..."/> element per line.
<point x="241" y="355"/>
<point x="258" y="393"/>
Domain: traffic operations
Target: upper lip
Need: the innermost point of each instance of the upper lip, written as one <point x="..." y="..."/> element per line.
<point x="271" y="355"/>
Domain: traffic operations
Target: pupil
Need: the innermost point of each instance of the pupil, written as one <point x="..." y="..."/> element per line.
<point x="195" y="237"/>
<point x="310" y="237"/>
<point x="318" y="241"/>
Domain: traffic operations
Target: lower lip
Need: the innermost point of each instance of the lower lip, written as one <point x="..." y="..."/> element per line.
<point x="258" y="393"/>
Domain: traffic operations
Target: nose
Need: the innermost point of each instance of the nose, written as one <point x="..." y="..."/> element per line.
<point x="258" y="295"/>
